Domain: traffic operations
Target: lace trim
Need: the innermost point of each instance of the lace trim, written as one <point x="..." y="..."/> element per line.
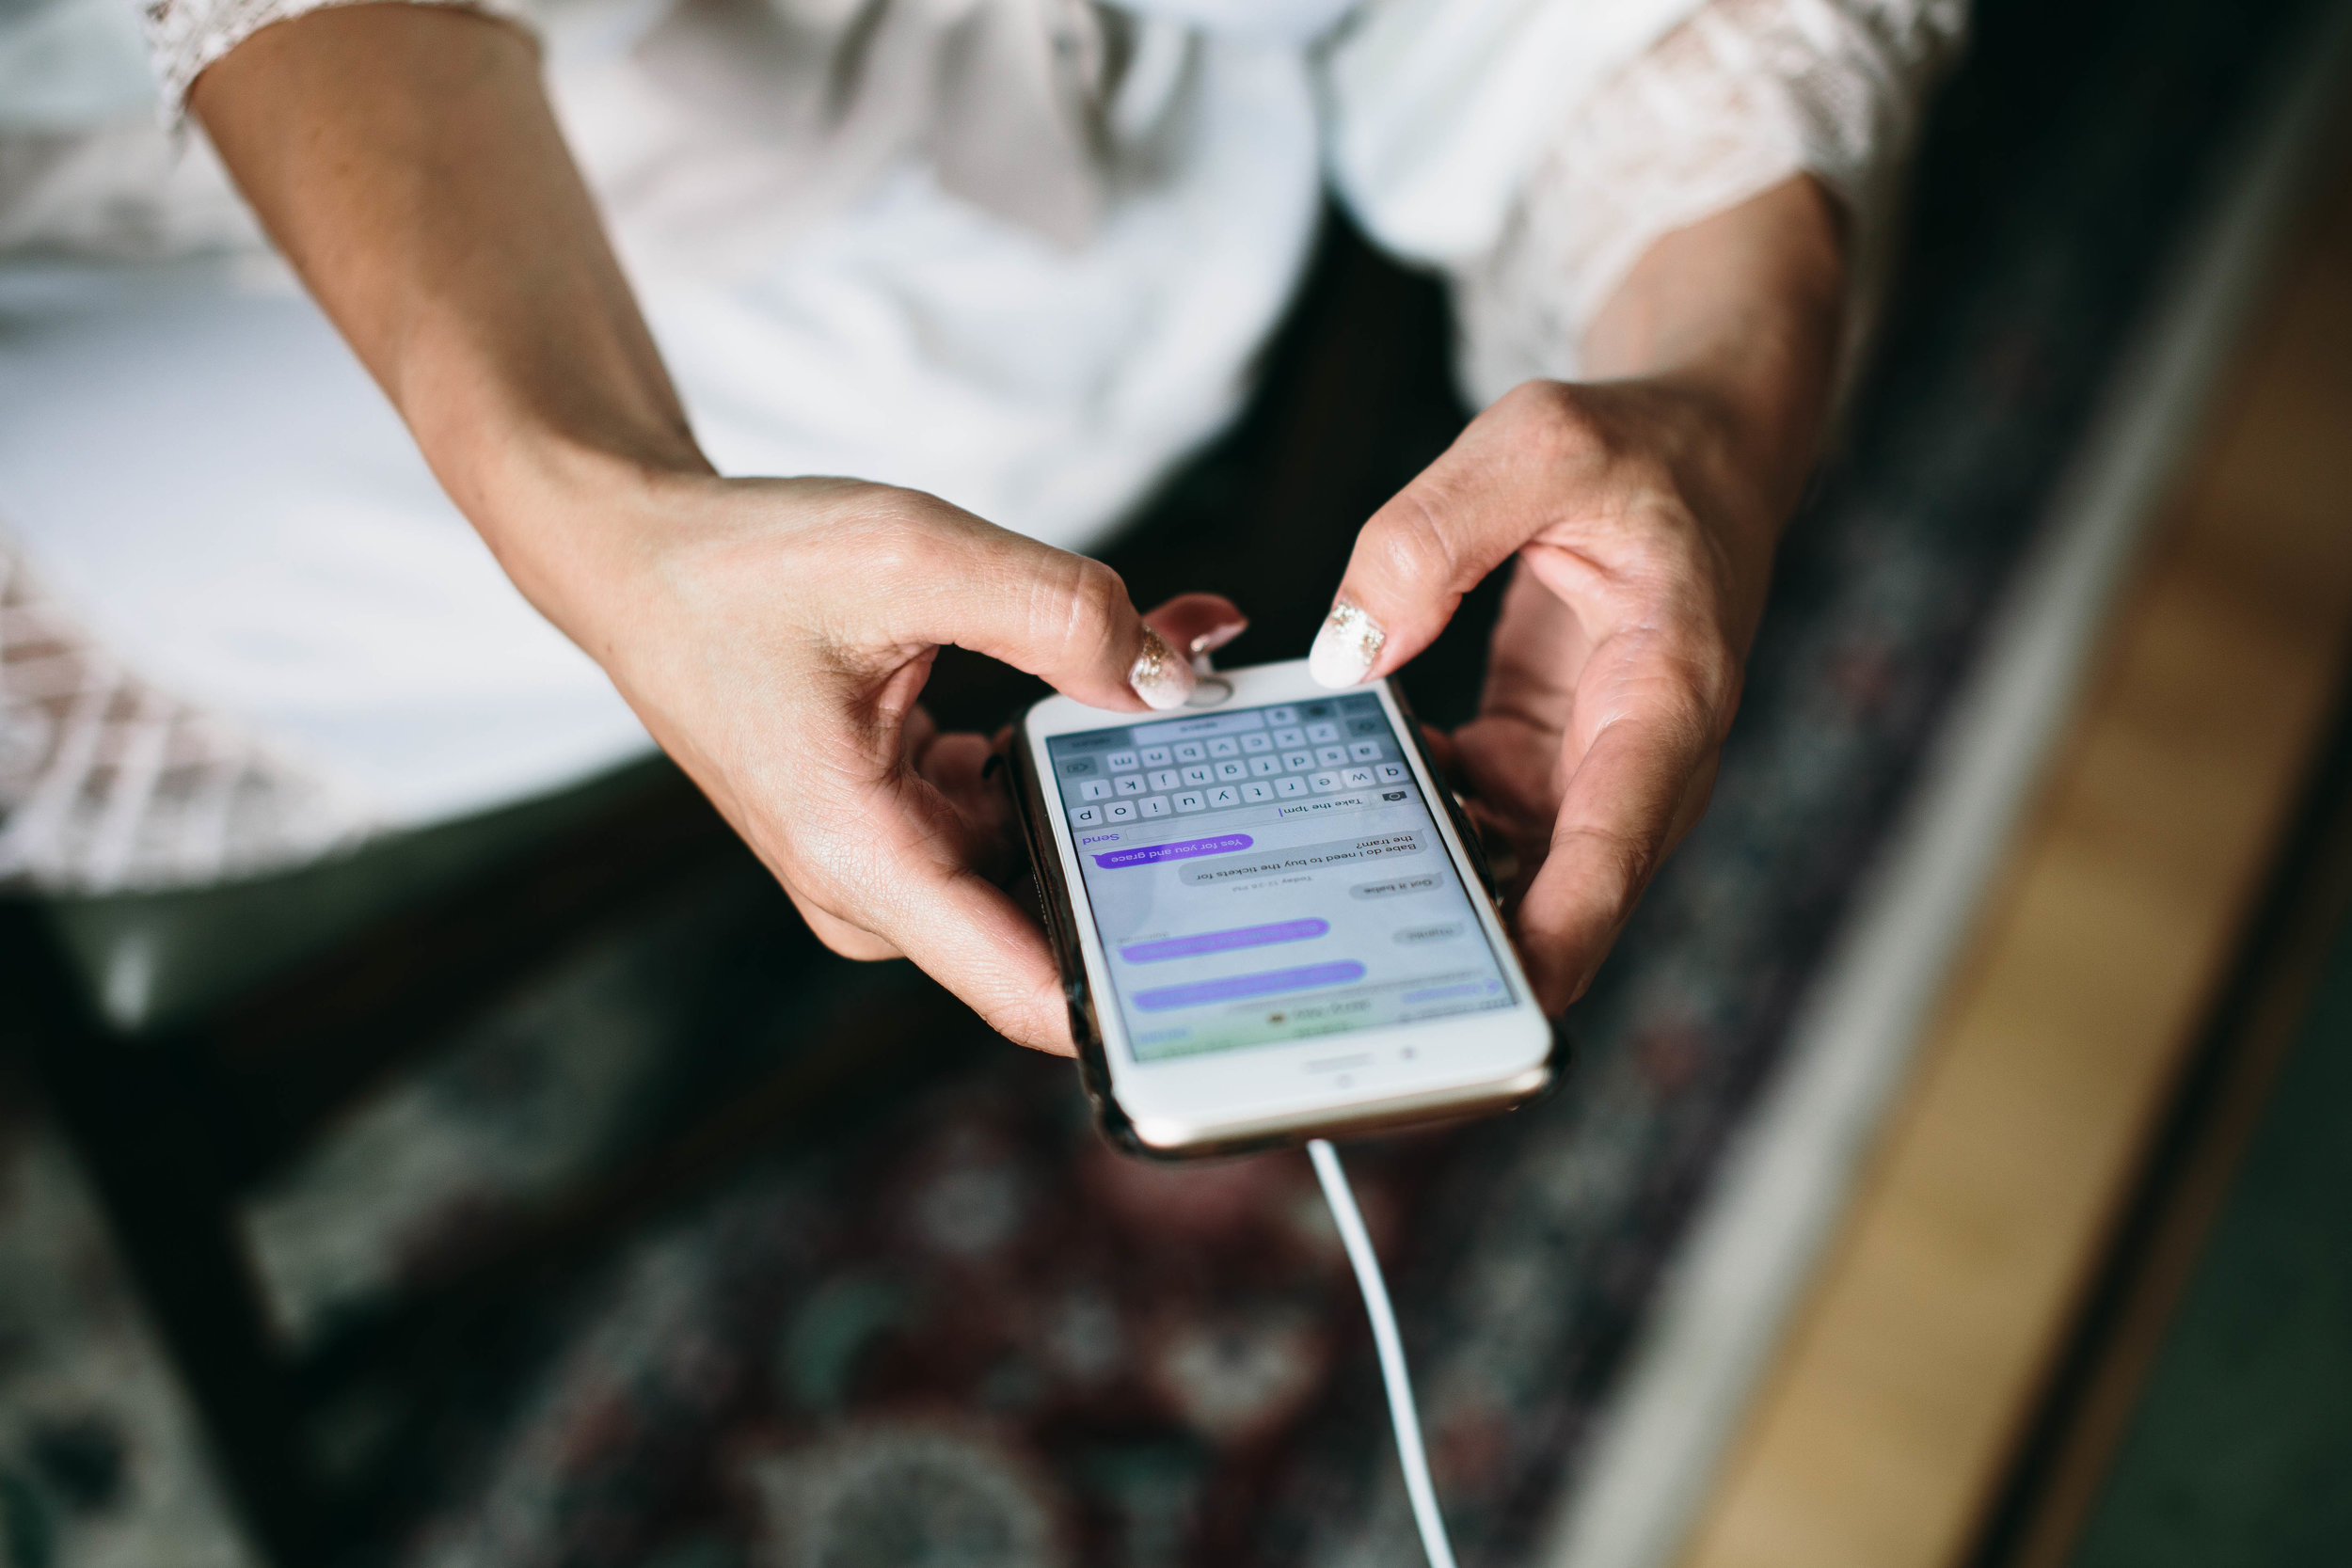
<point x="108" y="785"/>
<point x="1739" y="98"/>
<point x="185" y="35"/>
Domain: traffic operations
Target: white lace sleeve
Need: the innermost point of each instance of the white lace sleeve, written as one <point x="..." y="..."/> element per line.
<point x="1732" y="102"/>
<point x="185" y="35"/>
<point x="110" y="785"/>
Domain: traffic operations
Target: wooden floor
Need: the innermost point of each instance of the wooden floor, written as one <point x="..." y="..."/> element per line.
<point x="1904" y="1384"/>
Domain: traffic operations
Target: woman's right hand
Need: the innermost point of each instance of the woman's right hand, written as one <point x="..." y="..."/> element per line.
<point x="774" y="635"/>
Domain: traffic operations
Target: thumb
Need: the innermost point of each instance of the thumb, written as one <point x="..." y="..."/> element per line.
<point x="1434" y="542"/>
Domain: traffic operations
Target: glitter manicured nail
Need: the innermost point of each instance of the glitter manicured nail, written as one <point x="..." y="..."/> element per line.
<point x="1346" y="646"/>
<point x="1158" y="676"/>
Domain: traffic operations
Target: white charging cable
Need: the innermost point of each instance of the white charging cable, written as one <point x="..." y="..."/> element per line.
<point x="1400" y="1413"/>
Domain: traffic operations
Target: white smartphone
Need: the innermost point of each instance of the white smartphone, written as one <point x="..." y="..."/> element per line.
<point x="1271" y="918"/>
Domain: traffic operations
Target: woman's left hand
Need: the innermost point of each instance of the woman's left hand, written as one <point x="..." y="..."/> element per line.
<point x="1615" y="666"/>
<point x="1644" y="511"/>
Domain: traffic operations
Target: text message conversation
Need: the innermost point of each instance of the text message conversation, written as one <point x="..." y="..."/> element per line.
<point x="1268" y="874"/>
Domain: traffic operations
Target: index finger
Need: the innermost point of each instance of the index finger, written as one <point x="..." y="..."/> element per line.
<point x="1641" y="781"/>
<point x="913" y="889"/>
<point x="972" y="939"/>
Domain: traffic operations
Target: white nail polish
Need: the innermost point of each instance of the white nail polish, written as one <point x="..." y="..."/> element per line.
<point x="1346" y="646"/>
<point x="1158" y="676"/>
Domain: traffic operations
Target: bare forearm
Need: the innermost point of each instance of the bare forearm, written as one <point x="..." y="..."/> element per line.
<point x="773" y="634"/>
<point x="1747" y="310"/>
<point x="406" y="160"/>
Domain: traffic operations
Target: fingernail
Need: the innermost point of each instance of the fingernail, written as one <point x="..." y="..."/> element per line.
<point x="1346" y="646"/>
<point x="1216" y="637"/>
<point x="1158" y="676"/>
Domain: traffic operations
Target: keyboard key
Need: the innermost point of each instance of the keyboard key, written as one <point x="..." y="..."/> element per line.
<point x="1094" y="789"/>
<point x="1265" y="768"/>
<point x="1191" y="800"/>
<point x="1156" y="756"/>
<point x="1394" y="772"/>
<point x="1290" y="784"/>
<point x="1256" y="743"/>
<point x="1288" y="738"/>
<point x="1123" y="762"/>
<point x="1323" y="734"/>
<point x="1224" y="746"/>
<point x="1130" y="783"/>
<point x="1331" y="756"/>
<point x="1232" y="770"/>
<point x="1256" y="789"/>
<point x="1356" y="778"/>
<point x="1086" y="816"/>
<point x="1119" y="811"/>
<point x="1285" y="714"/>
<point x="1364" y="751"/>
<point x="1165" y="778"/>
<point x="1324" y="783"/>
<point x="1154" y="805"/>
<point x="1199" y="774"/>
<point x="1298" y="762"/>
<point x="1224" y="795"/>
<point x="1190" y="750"/>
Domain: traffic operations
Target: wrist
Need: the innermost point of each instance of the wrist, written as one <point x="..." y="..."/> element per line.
<point x="1742" y="316"/>
<point x="1743" y="468"/>
<point x="580" y="526"/>
<point x="1752" y="440"/>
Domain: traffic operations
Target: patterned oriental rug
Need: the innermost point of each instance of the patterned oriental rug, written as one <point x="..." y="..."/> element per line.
<point x="958" y="1330"/>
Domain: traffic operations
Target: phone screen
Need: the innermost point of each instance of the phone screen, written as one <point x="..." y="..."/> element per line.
<point x="1269" y="874"/>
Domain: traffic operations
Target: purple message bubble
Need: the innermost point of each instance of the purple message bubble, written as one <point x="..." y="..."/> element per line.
<point x="1236" y="988"/>
<point x="1220" y="942"/>
<point x="1184" y="849"/>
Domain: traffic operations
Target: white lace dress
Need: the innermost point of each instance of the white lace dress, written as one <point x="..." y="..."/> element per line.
<point x="1018" y="252"/>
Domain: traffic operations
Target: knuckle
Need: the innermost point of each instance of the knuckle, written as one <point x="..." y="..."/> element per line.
<point x="1409" y="543"/>
<point x="1721" y="679"/>
<point x="844" y="942"/>
<point x="1087" y="606"/>
<point x="1703" y="719"/>
<point x="1699" y="701"/>
<point x="1555" y="423"/>
<point x="894" y="538"/>
<point x="875" y="547"/>
<point x="842" y="936"/>
<point x="1712" y="675"/>
<point x="1625" y="862"/>
<point x="1035" y="1019"/>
